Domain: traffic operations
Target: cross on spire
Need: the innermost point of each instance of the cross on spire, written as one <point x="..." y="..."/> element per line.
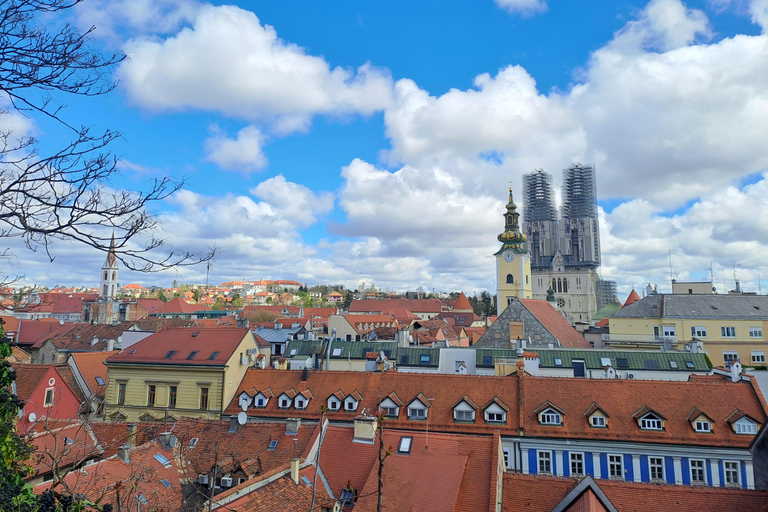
<point x="510" y="185"/>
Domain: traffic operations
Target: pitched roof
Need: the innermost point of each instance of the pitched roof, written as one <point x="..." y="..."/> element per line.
<point x="176" y="305"/>
<point x="91" y="365"/>
<point x="537" y="493"/>
<point x="633" y="296"/>
<point x="85" y="336"/>
<point x="715" y="306"/>
<point x="277" y="494"/>
<point x="555" y="323"/>
<point x="28" y="376"/>
<point x="60" y="303"/>
<point x="154" y="349"/>
<point x="32" y="330"/>
<point x="383" y="305"/>
<point x="462" y="304"/>
<point x="65" y="443"/>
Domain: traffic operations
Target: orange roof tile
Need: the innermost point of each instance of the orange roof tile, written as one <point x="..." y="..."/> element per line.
<point x="462" y="304"/>
<point x="91" y="366"/>
<point x="633" y="296"/>
<point x="555" y="323"/>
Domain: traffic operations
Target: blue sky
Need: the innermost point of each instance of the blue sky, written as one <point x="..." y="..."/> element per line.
<point x="372" y="142"/>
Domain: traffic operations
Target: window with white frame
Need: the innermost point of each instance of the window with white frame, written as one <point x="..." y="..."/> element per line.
<point x="616" y="466"/>
<point x="755" y="332"/>
<point x="731" y="469"/>
<point x="507" y="458"/>
<point x="668" y="330"/>
<point x="495" y="414"/>
<point x="333" y="403"/>
<point x="597" y="421"/>
<point x="545" y="461"/>
<point x="577" y="464"/>
<point x="728" y="332"/>
<point x="550" y="417"/>
<point x="350" y="404"/>
<point x="285" y="402"/>
<point x="699" y="332"/>
<point x="301" y="403"/>
<point x="417" y="411"/>
<point x="656" y="468"/>
<point x="702" y="426"/>
<point x="730" y="355"/>
<point x="745" y="426"/>
<point x="697" y="471"/>
<point x="49" y="392"/>
<point x="650" y="422"/>
<point x="758" y="357"/>
<point x="460" y="415"/>
<point x="389" y="408"/>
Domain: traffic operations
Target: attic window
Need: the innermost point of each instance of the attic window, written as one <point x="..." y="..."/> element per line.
<point x="337" y="352"/>
<point x="597" y="421"/>
<point x="194" y="334"/>
<point x="170" y="354"/>
<point x="652" y="364"/>
<point x="192" y="355"/>
<point x="689" y="364"/>
<point x="366" y="350"/>
<point x="162" y="460"/>
<point x="673" y="364"/>
<point x="714" y="307"/>
<point x="605" y="361"/>
<point x="487" y="360"/>
<point x="166" y="483"/>
<point x="425" y="358"/>
<point x="550" y="417"/>
<point x="623" y="362"/>
<point x="132" y="351"/>
<point x="650" y="422"/>
<point x="99" y="381"/>
<point x="558" y="361"/>
<point x="404" y="448"/>
<point x="404" y="359"/>
<point x="702" y="426"/>
<point x="213" y="356"/>
<point x="193" y="442"/>
<point x="745" y="426"/>
<point x="272" y="445"/>
<point x="68" y="440"/>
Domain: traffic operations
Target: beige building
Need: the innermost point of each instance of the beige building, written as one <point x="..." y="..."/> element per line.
<point x="728" y="327"/>
<point x="179" y="371"/>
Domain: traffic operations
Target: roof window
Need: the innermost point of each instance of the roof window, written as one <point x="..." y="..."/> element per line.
<point x="673" y="364"/>
<point x="605" y="361"/>
<point x="689" y="364"/>
<point x="213" y="356"/>
<point x="170" y="354"/>
<point x="337" y="352"/>
<point x="404" y="448"/>
<point x="166" y="483"/>
<point x="272" y="445"/>
<point x="99" y="381"/>
<point x="424" y="359"/>
<point x="404" y="359"/>
<point x="487" y="360"/>
<point x="558" y="361"/>
<point x="193" y="442"/>
<point x="162" y="460"/>
<point x="714" y="307"/>
<point x="652" y="364"/>
<point x="132" y="351"/>
<point x="622" y="362"/>
<point x="192" y="355"/>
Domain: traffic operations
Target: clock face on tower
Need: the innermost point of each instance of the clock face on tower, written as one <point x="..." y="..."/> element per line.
<point x="509" y="256"/>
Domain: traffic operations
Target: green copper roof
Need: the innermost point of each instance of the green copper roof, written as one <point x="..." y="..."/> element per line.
<point x="512" y="239"/>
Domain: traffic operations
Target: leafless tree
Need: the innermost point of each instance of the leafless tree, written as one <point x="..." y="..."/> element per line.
<point x="67" y="194"/>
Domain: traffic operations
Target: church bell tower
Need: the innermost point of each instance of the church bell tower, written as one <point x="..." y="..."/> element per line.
<point x="513" y="263"/>
<point x="108" y="287"/>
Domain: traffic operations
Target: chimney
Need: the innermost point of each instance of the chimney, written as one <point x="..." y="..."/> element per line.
<point x="292" y="426"/>
<point x="295" y="471"/>
<point x="735" y="371"/>
<point x="365" y="429"/>
<point x="124" y="452"/>
<point x="167" y="440"/>
<point x="131" y="435"/>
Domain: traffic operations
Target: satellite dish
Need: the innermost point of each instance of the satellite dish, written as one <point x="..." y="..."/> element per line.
<point x="244" y="360"/>
<point x="242" y="418"/>
<point x="32" y="417"/>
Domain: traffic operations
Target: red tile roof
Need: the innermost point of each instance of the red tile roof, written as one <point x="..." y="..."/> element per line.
<point x="555" y="323"/>
<point x="84" y="336"/>
<point x="542" y="493"/>
<point x="176" y="305"/>
<point x="462" y="304"/>
<point x="31" y="330"/>
<point x="91" y="365"/>
<point x="633" y="296"/>
<point x="383" y="305"/>
<point x="60" y="303"/>
<point x="64" y="443"/>
<point x="28" y="376"/>
<point x="155" y="348"/>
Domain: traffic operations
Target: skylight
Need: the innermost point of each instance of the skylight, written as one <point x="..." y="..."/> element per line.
<point x="558" y="361"/>
<point x="193" y="442"/>
<point x="162" y="460"/>
<point x="337" y="352"/>
<point x="605" y="361"/>
<point x="293" y="351"/>
<point x="272" y="445"/>
<point x="170" y="354"/>
<point x="405" y="445"/>
<point x="166" y="483"/>
<point x="192" y="354"/>
<point x="623" y="362"/>
<point x="132" y="351"/>
<point x="99" y="381"/>
<point x="213" y="356"/>
<point x="673" y="364"/>
<point x="689" y="364"/>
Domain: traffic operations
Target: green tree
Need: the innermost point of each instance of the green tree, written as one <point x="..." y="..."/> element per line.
<point x="196" y="295"/>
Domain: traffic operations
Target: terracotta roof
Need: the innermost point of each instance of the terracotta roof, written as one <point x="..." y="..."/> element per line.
<point x="19" y="356"/>
<point x="111" y="435"/>
<point x="151" y="305"/>
<point x="278" y="494"/>
<point x="633" y="296"/>
<point x="60" y="303"/>
<point x="277" y="309"/>
<point x="176" y="305"/>
<point x="321" y="312"/>
<point x="374" y="387"/>
<point x="91" y="366"/>
<point x="183" y="341"/>
<point x="84" y="336"/>
<point x="555" y="323"/>
<point x="10" y="325"/>
<point x="66" y="443"/>
<point x="28" y="376"/>
<point x="541" y="493"/>
<point x="224" y="321"/>
<point x="624" y="401"/>
<point x="31" y="330"/>
<point x="462" y="304"/>
<point x="381" y="305"/>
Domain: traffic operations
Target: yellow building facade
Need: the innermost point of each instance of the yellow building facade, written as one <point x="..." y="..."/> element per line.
<point x="199" y="379"/>
<point x="729" y="327"/>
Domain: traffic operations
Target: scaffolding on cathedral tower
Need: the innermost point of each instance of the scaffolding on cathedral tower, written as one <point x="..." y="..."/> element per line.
<point x="539" y="197"/>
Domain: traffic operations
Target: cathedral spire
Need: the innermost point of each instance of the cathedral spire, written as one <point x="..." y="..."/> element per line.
<point x="512" y="239"/>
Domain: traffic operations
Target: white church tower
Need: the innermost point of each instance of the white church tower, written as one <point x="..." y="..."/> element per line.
<point x="109" y="285"/>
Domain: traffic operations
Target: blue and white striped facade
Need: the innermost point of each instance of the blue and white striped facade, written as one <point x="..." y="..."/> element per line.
<point x="524" y="455"/>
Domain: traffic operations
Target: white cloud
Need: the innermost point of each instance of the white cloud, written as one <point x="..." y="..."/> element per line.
<point x="524" y="7"/>
<point x="663" y="25"/>
<point x="143" y="16"/>
<point x="228" y="62"/>
<point x="240" y="154"/>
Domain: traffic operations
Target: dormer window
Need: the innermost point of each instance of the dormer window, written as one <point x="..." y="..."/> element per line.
<point x="260" y="401"/>
<point x="417" y="409"/>
<point x="550" y="417"/>
<point x="390" y="408"/>
<point x="464" y="411"/>
<point x="597" y="421"/>
<point x="301" y="403"/>
<point x="745" y="426"/>
<point x="702" y="426"/>
<point x="494" y="412"/>
<point x="285" y="402"/>
<point x="651" y="422"/>
<point x="333" y="404"/>
<point x="351" y="402"/>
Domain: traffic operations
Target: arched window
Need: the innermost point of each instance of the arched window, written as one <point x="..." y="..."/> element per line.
<point x="565" y="285"/>
<point x="559" y="285"/>
<point x="114" y="275"/>
<point x="105" y="276"/>
<point x="510" y="279"/>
